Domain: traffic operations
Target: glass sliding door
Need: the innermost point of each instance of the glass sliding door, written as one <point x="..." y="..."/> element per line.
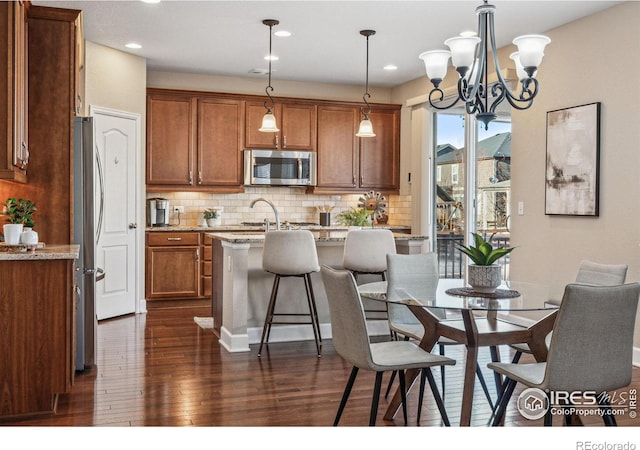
<point x="472" y="185"/>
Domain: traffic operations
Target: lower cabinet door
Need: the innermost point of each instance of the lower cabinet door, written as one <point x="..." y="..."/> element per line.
<point x="173" y="272"/>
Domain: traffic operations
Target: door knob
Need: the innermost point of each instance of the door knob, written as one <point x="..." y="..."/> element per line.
<point x="133" y="225"/>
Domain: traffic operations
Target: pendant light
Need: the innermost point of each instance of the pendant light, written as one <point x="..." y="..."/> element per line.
<point x="269" y="120"/>
<point x="366" y="127"/>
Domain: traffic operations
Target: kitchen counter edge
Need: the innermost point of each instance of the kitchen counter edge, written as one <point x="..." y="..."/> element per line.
<point x="49" y="252"/>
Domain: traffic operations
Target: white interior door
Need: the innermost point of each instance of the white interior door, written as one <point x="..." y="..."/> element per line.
<point x="116" y="142"/>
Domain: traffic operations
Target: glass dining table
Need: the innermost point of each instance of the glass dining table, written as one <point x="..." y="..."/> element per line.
<point x="517" y="312"/>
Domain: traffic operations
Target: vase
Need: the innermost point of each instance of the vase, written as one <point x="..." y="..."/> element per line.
<point x="485" y="279"/>
<point x="28" y="236"/>
<point x="12" y="232"/>
<point x="214" y="222"/>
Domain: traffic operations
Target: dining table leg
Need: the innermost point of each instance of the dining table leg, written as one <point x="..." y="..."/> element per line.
<point x="471" y="364"/>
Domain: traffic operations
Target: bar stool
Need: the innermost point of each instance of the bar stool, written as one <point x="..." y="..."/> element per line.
<point x="291" y="253"/>
<point x="365" y="252"/>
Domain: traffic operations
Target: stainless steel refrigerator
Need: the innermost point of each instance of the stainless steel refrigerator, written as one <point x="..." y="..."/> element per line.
<point x="87" y="223"/>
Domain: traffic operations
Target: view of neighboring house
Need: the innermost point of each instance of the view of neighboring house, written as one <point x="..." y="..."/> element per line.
<point x="493" y="181"/>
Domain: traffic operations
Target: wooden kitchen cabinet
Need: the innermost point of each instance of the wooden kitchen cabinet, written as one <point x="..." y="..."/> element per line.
<point x="170" y="139"/>
<point x="296" y="121"/>
<point x="14" y="153"/>
<point x="37" y="331"/>
<point x="194" y="142"/>
<point x="348" y="163"/>
<point x="173" y="265"/>
<point x="207" y="268"/>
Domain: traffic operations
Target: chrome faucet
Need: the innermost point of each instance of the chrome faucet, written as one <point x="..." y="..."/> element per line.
<point x="275" y="211"/>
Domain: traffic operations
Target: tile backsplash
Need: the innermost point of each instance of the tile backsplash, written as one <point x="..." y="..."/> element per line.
<point x="293" y="204"/>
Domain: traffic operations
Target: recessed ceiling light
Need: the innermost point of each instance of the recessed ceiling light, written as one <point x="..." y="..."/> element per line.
<point x="282" y="33"/>
<point x="151" y="1"/>
<point x="133" y="45"/>
<point x="390" y="67"/>
<point x="271" y="57"/>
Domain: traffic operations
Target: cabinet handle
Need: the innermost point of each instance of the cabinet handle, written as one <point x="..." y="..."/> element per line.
<point x="174" y="239"/>
<point x="284" y="141"/>
<point x="24" y="154"/>
<point x="276" y="136"/>
<point x="354" y="180"/>
<point x="361" y="180"/>
<point x="200" y="177"/>
<point x="197" y="254"/>
<point x="191" y="177"/>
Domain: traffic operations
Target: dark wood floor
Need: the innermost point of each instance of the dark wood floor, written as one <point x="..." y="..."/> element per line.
<point x="161" y="369"/>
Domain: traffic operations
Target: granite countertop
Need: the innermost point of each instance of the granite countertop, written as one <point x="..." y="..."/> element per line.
<point x="240" y="227"/>
<point x="248" y="237"/>
<point x="47" y="252"/>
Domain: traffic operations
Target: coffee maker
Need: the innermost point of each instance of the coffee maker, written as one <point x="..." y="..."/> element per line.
<point x="158" y="212"/>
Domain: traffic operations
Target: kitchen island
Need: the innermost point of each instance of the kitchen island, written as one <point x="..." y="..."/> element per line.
<point x="37" y="328"/>
<point x="241" y="288"/>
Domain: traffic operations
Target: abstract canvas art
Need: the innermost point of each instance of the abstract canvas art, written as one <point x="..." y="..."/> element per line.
<point x="572" y="170"/>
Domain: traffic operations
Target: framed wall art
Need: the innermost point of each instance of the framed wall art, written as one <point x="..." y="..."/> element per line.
<point x="573" y="153"/>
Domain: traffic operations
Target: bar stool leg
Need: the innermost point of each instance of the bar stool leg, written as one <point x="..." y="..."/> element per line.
<point x="266" y="330"/>
<point x="313" y="312"/>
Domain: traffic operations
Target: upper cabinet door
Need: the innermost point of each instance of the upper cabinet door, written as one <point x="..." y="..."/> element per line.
<point x="254" y="138"/>
<point x="298" y="127"/>
<point x="380" y="155"/>
<point x="220" y="130"/>
<point x="337" y="147"/>
<point x="170" y="140"/>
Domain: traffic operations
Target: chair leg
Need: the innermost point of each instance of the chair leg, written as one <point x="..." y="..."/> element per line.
<point x="503" y="401"/>
<point x="393" y="377"/>
<point x="548" y="418"/>
<point x="375" y="399"/>
<point x="484" y="386"/>
<point x="403" y="391"/>
<point x="345" y="395"/>
<point x="313" y="312"/>
<point x="426" y="374"/>
<point x="607" y="414"/>
<point x="441" y="348"/>
<point x="516" y="357"/>
<point x="266" y="329"/>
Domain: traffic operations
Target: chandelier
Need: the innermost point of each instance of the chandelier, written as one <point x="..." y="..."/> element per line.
<point x="269" y="119"/>
<point x="480" y="95"/>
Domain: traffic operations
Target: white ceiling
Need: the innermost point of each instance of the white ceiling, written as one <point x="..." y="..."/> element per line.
<point x="228" y="37"/>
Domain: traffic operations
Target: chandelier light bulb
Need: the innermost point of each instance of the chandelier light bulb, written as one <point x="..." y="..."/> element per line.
<point x="531" y="49"/>
<point x="436" y="62"/>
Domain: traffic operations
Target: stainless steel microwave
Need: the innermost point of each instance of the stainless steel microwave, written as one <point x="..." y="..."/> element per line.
<point x="279" y="168"/>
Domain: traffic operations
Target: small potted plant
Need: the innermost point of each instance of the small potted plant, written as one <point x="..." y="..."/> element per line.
<point x="355" y="217"/>
<point x="484" y="274"/>
<point x="19" y="213"/>
<point x="212" y="216"/>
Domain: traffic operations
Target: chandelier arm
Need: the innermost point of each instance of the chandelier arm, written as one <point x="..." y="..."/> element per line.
<point x="432" y="100"/>
<point x="523" y="103"/>
<point x="479" y="63"/>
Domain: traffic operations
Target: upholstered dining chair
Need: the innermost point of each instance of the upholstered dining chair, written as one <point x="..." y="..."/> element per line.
<point x="291" y="253"/>
<point x="590" y="273"/>
<point x="365" y="253"/>
<point x="591" y="348"/>
<point x="416" y="276"/>
<point x="351" y="342"/>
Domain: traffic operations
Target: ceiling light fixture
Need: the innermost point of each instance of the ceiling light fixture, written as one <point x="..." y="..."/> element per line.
<point x="366" y="127"/>
<point x="482" y="97"/>
<point x="269" y="120"/>
<point x="133" y="45"/>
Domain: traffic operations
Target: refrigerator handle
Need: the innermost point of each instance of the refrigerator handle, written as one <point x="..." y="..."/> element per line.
<point x="100" y="274"/>
<point x="101" y="179"/>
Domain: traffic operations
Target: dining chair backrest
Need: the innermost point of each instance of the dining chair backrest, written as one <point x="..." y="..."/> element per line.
<point x="348" y="324"/>
<point x="290" y="252"/>
<point x="592" y="344"/>
<point x="365" y="251"/>
<point x="601" y="274"/>
<point x="411" y="276"/>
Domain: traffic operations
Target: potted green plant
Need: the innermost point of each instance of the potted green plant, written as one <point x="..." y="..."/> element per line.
<point x="19" y="213"/>
<point x="355" y="217"/>
<point x="484" y="274"/>
<point x="212" y="216"/>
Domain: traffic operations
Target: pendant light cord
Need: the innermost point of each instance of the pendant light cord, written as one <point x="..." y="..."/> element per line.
<point x="270" y="23"/>
<point x="366" y="34"/>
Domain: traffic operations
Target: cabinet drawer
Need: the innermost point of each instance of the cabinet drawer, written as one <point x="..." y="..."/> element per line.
<point x="206" y="268"/>
<point x="175" y="239"/>
<point x="206" y="254"/>
<point x="206" y="286"/>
